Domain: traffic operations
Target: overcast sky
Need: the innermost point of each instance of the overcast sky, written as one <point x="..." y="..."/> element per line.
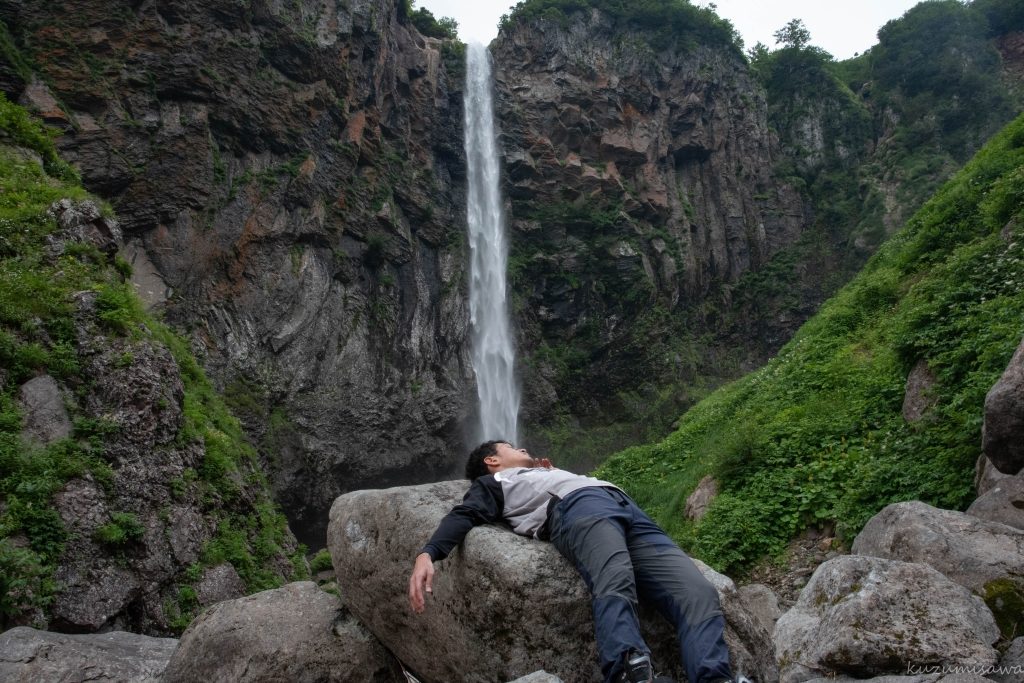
<point x="842" y="27"/>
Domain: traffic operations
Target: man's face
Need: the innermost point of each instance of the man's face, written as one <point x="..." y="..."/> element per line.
<point x="506" y="456"/>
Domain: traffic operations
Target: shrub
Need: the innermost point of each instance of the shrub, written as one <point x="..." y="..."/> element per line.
<point x="123" y="529"/>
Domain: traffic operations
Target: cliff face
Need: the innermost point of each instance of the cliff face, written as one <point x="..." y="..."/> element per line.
<point x="128" y="498"/>
<point x="642" y="183"/>
<point x="289" y="177"/>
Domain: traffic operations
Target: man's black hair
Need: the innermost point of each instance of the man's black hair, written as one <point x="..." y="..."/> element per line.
<point x="475" y="465"/>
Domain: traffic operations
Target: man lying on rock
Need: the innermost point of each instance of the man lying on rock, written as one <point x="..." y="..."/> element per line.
<point x="616" y="548"/>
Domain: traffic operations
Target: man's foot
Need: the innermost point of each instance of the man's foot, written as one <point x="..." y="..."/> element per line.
<point x="638" y="668"/>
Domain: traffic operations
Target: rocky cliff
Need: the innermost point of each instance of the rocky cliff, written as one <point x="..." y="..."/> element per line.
<point x="128" y="496"/>
<point x="678" y="211"/>
<point x="642" y="182"/>
<point x="289" y="178"/>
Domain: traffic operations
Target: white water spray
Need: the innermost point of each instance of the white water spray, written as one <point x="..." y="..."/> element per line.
<point x="493" y="352"/>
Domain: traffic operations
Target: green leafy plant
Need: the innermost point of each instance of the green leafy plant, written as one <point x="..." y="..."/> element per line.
<point x="817" y="435"/>
<point x="123" y="529"/>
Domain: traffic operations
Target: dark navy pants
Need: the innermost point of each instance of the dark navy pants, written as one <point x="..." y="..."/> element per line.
<point x="621" y="553"/>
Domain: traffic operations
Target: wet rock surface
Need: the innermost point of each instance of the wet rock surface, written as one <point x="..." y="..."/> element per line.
<point x="503" y="606"/>
<point x="30" y="656"/>
<point x="294" y="633"/>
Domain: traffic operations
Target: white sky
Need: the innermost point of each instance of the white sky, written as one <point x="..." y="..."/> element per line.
<point x="841" y="27"/>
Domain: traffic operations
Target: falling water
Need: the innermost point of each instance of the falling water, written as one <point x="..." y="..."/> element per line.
<point x="493" y="353"/>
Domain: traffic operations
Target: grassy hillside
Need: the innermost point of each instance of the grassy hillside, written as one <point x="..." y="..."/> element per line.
<point x="817" y="435"/>
<point x="38" y="322"/>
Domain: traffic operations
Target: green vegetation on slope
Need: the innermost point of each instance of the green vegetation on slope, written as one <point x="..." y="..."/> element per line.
<point x="817" y="435"/>
<point x="37" y="335"/>
<point x="664" y="23"/>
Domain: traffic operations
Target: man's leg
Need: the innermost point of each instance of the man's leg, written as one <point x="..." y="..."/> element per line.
<point x="589" y="529"/>
<point x="669" y="578"/>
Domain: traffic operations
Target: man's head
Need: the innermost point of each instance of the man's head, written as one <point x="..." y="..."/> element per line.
<point x="494" y="456"/>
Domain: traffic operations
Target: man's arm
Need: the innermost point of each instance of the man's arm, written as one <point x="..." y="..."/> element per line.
<point x="482" y="503"/>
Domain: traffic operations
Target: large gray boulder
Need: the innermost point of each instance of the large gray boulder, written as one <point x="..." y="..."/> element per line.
<point x="297" y="633"/>
<point x="31" y="656"/>
<point x="1003" y="503"/>
<point x="503" y="606"/>
<point x="971" y="551"/>
<point x="866" y="616"/>
<point x="1003" y="431"/>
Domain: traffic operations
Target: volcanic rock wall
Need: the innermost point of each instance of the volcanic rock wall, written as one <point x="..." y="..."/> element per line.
<point x="290" y="179"/>
<point x="641" y="179"/>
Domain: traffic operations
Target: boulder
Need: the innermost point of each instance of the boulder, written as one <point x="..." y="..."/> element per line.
<point x="762" y="603"/>
<point x="46" y="419"/>
<point x="1011" y="666"/>
<point x="218" y="584"/>
<point x="986" y="475"/>
<point x="1003" y="431"/>
<point x="698" y="502"/>
<point x="538" y="677"/>
<point x="82" y="222"/>
<point x="502" y="606"/>
<point x="29" y="656"/>
<point x="971" y="551"/>
<point x="1004" y="503"/>
<point x="297" y="633"/>
<point x="867" y="616"/>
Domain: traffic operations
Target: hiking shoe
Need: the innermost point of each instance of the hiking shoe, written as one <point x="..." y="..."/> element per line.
<point x="638" y="668"/>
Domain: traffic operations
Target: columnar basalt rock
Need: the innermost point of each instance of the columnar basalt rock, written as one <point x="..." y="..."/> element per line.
<point x="638" y="177"/>
<point x="294" y="175"/>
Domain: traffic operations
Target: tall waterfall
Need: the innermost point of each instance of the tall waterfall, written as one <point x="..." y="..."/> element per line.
<point x="493" y="351"/>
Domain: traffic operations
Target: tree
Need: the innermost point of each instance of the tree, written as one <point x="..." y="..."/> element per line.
<point x="757" y="53"/>
<point x="793" y="34"/>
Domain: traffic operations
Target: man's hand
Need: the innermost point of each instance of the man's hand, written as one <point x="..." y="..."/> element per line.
<point x="421" y="582"/>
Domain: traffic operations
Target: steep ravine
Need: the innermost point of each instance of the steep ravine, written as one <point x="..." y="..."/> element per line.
<point x="290" y="179"/>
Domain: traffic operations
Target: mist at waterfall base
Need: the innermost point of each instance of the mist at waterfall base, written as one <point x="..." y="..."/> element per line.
<point x="493" y="348"/>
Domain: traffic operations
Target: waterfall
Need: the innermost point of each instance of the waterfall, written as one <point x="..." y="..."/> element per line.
<point x="493" y="352"/>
